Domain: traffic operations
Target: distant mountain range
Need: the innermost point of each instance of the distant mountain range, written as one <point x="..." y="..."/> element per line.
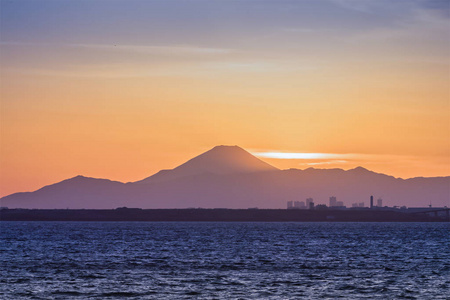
<point x="230" y="177"/>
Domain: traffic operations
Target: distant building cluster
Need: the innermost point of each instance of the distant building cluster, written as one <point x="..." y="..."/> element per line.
<point x="333" y="203"/>
<point x="301" y="204"/>
<point x="309" y="204"/>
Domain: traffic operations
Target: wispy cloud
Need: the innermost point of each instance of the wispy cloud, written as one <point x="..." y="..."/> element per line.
<point x="343" y="160"/>
<point x="121" y="60"/>
<point x="365" y="6"/>
<point x="150" y="49"/>
<point x="331" y="158"/>
<point x="331" y="162"/>
<point x="300" y="155"/>
<point x="151" y="69"/>
<point x="257" y="66"/>
<point x="299" y="30"/>
<point x="174" y="50"/>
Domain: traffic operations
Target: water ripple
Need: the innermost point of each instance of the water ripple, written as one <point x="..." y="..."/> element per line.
<point x="139" y="260"/>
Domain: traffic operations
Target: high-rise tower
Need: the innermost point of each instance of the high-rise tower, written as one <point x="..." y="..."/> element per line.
<point x="380" y="202"/>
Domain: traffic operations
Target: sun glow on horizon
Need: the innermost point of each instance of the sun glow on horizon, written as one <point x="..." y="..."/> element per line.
<point x="301" y="155"/>
<point x="302" y="83"/>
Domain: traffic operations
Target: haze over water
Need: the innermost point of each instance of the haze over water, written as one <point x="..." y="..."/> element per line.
<point x="139" y="260"/>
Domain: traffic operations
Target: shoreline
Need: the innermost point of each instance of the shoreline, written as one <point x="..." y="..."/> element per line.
<point x="220" y="215"/>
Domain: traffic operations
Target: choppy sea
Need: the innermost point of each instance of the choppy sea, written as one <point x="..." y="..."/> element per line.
<point x="146" y="260"/>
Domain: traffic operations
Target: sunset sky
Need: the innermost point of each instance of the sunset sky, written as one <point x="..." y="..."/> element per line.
<point x="122" y="89"/>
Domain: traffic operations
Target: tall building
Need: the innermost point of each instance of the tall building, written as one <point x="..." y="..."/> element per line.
<point x="299" y="205"/>
<point x="333" y="201"/>
<point x="289" y="205"/>
<point x="308" y="201"/>
<point x="371" y="201"/>
<point x="380" y="202"/>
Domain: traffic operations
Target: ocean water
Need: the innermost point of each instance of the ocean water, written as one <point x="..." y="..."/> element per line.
<point x="146" y="260"/>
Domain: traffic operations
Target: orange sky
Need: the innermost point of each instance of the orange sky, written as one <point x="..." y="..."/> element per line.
<point x="79" y="95"/>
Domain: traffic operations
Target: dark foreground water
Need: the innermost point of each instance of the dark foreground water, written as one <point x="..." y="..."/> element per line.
<point x="108" y="260"/>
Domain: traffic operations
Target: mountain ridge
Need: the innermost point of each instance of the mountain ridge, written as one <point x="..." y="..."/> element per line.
<point x="218" y="160"/>
<point x="216" y="179"/>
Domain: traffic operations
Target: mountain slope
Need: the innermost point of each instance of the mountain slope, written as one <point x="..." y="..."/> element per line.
<point x="230" y="177"/>
<point x="274" y="189"/>
<point x="76" y="192"/>
<point x="219" y="160"/>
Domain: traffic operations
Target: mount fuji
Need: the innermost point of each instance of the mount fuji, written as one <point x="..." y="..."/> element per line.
<point x="230" y="177"/>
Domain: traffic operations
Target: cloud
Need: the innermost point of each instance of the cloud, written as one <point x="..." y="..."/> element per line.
<point x="343" y="160"/>
<point x="172" y="50"/>
<point x="401" y="11"/>
<point x="365" y="6"/>
<point x="299" y="30"/>
<point x="330" y="158"/>
<point x="300" y="155"/>
<point x="113" y="60"/>
<point x="149" y="49"/>
<point x="331" y="162"/>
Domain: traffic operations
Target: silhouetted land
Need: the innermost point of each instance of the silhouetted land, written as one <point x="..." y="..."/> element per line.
<point x="215" y="215"/>
<point x="232" y="177"/>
